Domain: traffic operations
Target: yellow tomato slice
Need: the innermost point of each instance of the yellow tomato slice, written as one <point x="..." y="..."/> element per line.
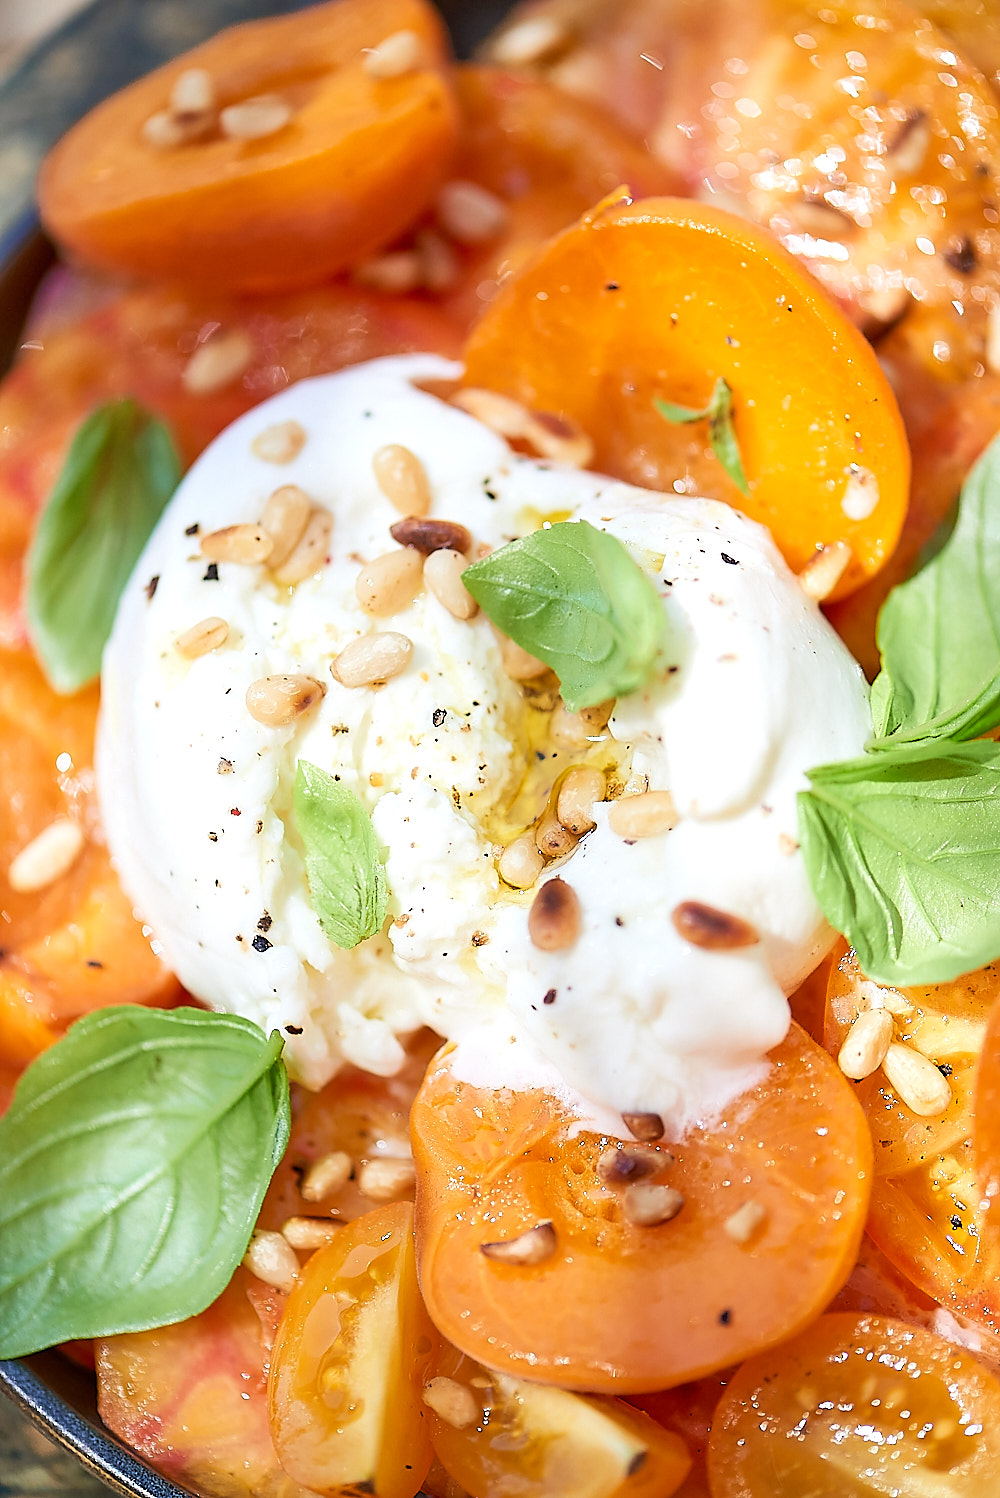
<point x="347" y="1369"/>
<point x="659" y="299"/>
<point x="857" y="1407"/>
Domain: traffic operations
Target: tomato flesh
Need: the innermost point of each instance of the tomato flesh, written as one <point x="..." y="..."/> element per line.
<point x="619" y="1308"/>
<point x="347" y="1367"/>
<point x="287" y="209"/>
<point x="855" y="1407"/>
<point x="659" y="299"/>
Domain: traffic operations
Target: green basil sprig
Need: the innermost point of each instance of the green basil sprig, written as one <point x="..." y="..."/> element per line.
<point x="133" y="1162"/>
<point x="347" y="885"/>
<point x="719" y="415"/>
<point x="939" y="633"/>
<point x="119" y="473"/>
<point x="902" y="850"/>
<point x="573" y="596"/>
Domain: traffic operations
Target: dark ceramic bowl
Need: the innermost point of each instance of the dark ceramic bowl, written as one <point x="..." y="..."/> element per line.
<point x="105" y="46"/>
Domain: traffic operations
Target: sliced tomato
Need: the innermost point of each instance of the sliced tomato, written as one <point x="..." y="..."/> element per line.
<point x="659" y="299"/>
<point x="925" y="1211"/>
<point x="75" y="944"/>
<point x="359" y="158"/>
<point x="500" y="1435"/>
<point x="548" y="157"/>
<point x="139" y="343"/>
<point x="622" y="1308"/>
<point x="858" y="1406"/>
<point x="349" y="1363"/>
<point x="192" y="1399"/>
<point x="689" y="1409"/>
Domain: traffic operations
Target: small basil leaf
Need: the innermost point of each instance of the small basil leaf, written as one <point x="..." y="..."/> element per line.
<point x="346" y="879"/>
<point x="119" y="473"/>
<point x="573" y="596"/>
<point x="719" y="415"/>
<point x="939" y="633"/>
<point x="133" y="1162"/>
<point x="902" y="850"/>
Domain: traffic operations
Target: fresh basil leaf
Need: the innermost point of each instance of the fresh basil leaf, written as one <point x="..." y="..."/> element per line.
<point x="346" y="879"/>
<point x="574" y="597"/>
<point x="133" y="1162"/>
<point x="719" y="415"/>
<point x="939" y="633"/>
<point x="902" y="850"/>
<point x="119" y="473"/>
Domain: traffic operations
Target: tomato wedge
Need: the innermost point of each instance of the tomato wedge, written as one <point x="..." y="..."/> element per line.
<point x="348" y="1364"/>
<point x="660" y="299"/>
<point x="622" y="1308"/>
<point x="925" y="1213"/>
<point x="858" y="1406"/>
<point x="359" y="158"/>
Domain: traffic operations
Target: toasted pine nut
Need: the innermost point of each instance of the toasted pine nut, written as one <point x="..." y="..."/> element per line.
<point x="645" y="1126"/>
<point x="470" y="213"/>
<point x="506" y="417"/>
<point x="866" y="1044"/>
<point x="907" y="152"/>
<point x="535" y="39"/>
<point x="744" y="1222"/>
<point x="326" y="1176"/>
<point x="202" y="638"/>
<point x="452" y="1402"/>
<point x="917" y="1080"/>
<point x="645" y="815"/>
<point x="372" y="658"/>
<point x="552" y="839"/>
<point x="309" y="553"/>
<point x="168" y="129"/>
<point x="279" y="443"/>
<point x="278" y="700"/>
<point x="217" y="363"/>
<point x="308" y="1233"/>
<point x="620" y="1165"/>
<point x="517" y="663"/>
<point x="391" y="582"/>
<point x="647" y="1205"/>
<point x="861" y="494"/>
<point x="47" y="857"/>
<point x="385" y="1179"/>
<point x="426" y="535"/>
<point x="286" y="515"/>
<point x="272" y="1259"/>
<point x="533" y="1246"/>
<point x="254" y="119"/>
<point x="577" y="730"/>
<point x="556" y="438"/>
<point x="398" y="53"/>
<point x="554" y="917"/>
<point x="397" y="272"/>
<point x="715" y="930"/>
<point x="520" y="863"/>
<point x="193" y="92"/>
<point x="824" y="569"/>
<point x="814" y="216"/>
<point x="443" y="576"/>
<point x="438" y="262"/>
<point x="402" y="478"/>
<point x="247" y="544"/>
<point x="580" y="789"/>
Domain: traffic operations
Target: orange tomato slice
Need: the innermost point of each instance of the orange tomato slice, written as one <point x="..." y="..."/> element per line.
<point x="621" y="1308"/>
<point x="358" y="160"/>
<point x="858" y="1406"/>
<point x="348" y="1364"/>
<point x="659" y="299"/>
<point x="925" y="1211"/>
